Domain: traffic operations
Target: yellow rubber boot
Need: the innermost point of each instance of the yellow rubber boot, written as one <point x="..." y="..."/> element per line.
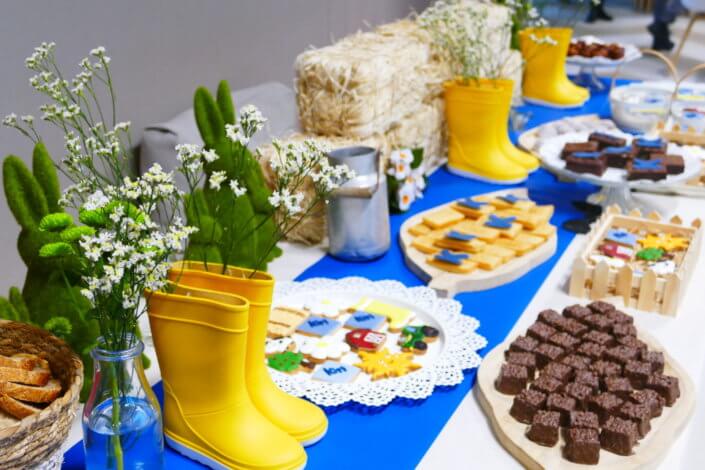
<point x="299" y="418"/>
<point x="515" y="154"/>
<point x="473" y="117"/>
<point x="545" y="80"/>
<point x="200" y="337"/>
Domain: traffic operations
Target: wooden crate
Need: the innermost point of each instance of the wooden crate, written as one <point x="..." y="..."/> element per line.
<point x="647" y="291"/>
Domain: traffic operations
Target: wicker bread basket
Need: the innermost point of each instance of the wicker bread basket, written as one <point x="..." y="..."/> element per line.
<point x="32" y="441"/>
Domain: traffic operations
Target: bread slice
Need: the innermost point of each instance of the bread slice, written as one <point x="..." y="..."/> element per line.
<point x="17" y="408"/>
<point x="19" y="361"/>
<point x="45" y="394"/>
<point x="37" y="376"/>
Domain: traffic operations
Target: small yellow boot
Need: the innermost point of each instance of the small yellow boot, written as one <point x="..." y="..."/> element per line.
<point x="545" y="81"/>
<point x="473" y="114"/>
<point x="200" y="337"/>
<point x="299" y="418"/>
<point x="515" y="154"/>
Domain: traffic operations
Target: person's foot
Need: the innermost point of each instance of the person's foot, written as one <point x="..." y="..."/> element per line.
<point x="661" y="37"/>
<point x="602" y="14"/>
<point x="591" y="16"/>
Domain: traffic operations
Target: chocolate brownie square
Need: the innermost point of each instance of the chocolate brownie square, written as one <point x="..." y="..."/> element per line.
<point x="563" y="404"/>
<point x="565" y="341"/>
<point x="650" y="398"/>
<point x="581" y="393"/>
<point x="666" y="386"/>
<point x="527" y="360"/>
<point x="621" y="354"/>
<point x="640" y="414"/>
<point x="599" y="322"/>
<point x="604" y="405"/>
<point x="576" y="312"/>
<point x="512" y="379"/>
<point x="588" y="378"/>
<point x="605" y="140"/>
<point x="606" y="368"/>
<point x="541" y="331"/>
<point x="547" y="384"/>
<point x="550" y="317"/>
<point x="674" y="164"/>
<point x="526" y="404"/>
<point x="572" y="147"/>
<point x="638" y="373"/>
<point x="523" y="344"/>
<point x="582" y="446"/>
<point x="599" y="337"/>
<point x="577" y="362"/>
<point x="620" y="330"/>
<point x="645" y="148"/>
<point x="558" y="371"/>
<point x="653" y="170"/>
<point x="583" y="419"/>
<point x="544" y="428"/>
<point x="619" y="436"/>
<point x="600" y="306"/>
<point x="619" y="386"/>
<point x="656" y="359"/>
<point x="617" y="157"/>
<point x="586" y="162"/>
<point x="633" y="342"/>
<point x="592" y="350"/>
<point x="573" y="327"/>
<point x="546" y="353"/>
<point x="619" y="317"/>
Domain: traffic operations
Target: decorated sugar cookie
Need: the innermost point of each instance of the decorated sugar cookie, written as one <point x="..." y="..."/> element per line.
<point x="286" y="361"/>
<point x="279" y="345"/>
<point x="362" y="319"/>
<point x="415" y="339"/>
<point x="460" y="241"/>
<point x="611" y="262"/>
<point x="453" y="262"/>
<point x="663" y="268"/>
<point x="443" y="218"/>
<point x="365" y="339"/>
<point x="318" y="326"/>
<point x="284" y="320"/>
<point x="321" y="349"/>
<point x="473" y="208"/>
<point x="615" y="250"/>
<point x="398" y="317"/>
<point x="650" y="254"/>
<point x="336" y="372"/>
<point x="501" y="223"/>
<point x="323" y="308"/>
<point x="383" y="364"/>
<point x="666" y="242"/>
<point x="621" y="236"/>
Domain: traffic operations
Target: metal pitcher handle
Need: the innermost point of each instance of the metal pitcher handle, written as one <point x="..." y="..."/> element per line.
<point x="363" y="192"/>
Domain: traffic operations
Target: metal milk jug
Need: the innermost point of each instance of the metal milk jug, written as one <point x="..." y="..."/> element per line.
<point x="358" y="211"/>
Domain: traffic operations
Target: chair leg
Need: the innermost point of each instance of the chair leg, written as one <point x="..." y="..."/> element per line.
<point x="693" y="17"/>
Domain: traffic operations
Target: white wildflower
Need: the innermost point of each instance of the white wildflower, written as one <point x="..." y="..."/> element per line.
<point x="237" y="189"/>
<point x="210" y="156"/>
<point x="216" y="179"/>
<point x="97" y="200"/>
<point x="10" y="120"/>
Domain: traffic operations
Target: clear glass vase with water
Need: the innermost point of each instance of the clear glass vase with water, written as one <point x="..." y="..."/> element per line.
<point x="122" y="421"/>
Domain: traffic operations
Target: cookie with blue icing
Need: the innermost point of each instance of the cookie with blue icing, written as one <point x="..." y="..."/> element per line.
<point x="473" y="208"/>
<point x="318" y="326"/>
<point x="621" y="236"/>
<point x="459" y="241"/>
<point x="452" y="262"/>
<point x="336" y="372"/>
<point x="507" y="226"/>
<point x="362" y="319"/>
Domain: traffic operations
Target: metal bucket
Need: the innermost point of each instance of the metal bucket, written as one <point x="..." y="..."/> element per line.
<point x="358" y="212"/>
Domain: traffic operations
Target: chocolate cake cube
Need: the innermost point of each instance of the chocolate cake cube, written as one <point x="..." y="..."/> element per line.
<point x="666" y="386"/>
<point x="605" y="140"/>
<point x="586" y="377"/>
<point x="640" y="414"/>
<point x="565" y="341"/>
<point x="562" y="404"/>
<point x="617" y="157"/>
<point x="674" y="164"/>
<point x="650" y="398"/>
<point x="526" y="404"/>
<point x="541" y="331"/>
<point x="550" y="317"/>
<point x="620" y="386"/>
<point x="546" y="353"/>
<point x="544" y="428"/>
<point x="644" y="148"/>
<point x="582" y="446"/>
<point x="619" y="436"/>
<point x="586" y="162"/>
<point x="606" y="368"/>
<point x="576" y="312"/>
<point x="523" y="344"/>
<point x="599" y="337"/>
<point x="600" y="306"/>
<point x="604" y="405"/>
<point x="572" y="147"/>
<point x="558" y="371"/>
<point x="577" y="362"/>
<point x="592" y="350"/>
<point x="581" y="393"/>
<point x="621" y="354"/>
<point x="633" y="342"/>
<point x="573" y="327"/>
<point x="638" y="373"/>
<point x="527" y="360"/>
<point x="656" y="359"/>
<point x="620" y="330"/>
<point x="652" y="170"/>
<point x="547" y="384"/>
<point x="620" y="317"/>
<point x="512" y="379"/>
<point x="599" y="322"/>
<point x="583" y="419"/>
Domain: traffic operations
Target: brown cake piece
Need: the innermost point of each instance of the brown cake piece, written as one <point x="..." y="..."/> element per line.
<point x="512" y="379"/>
<point x="565" y="341"/>
<point x="573" y="327"/>
<point x="606" y="368"/>
<point x="572" y="147"/>
<point x="588" y="378"/>
<point x="541" y="331"/>
<point x="599" y="337"/>
<point x="600" y="306"/>
<point x="562" y="404"/>
<point x="576" y="312"/>
<point x="633" y="342"/>
<point x="604" y="405"/>
<point x="544" y="428"/>
<point x="652" y="170"/>
<point x="577" y="362"/>
<point x="580" y="393"/>
<point x="582" y="446"/>
<point x="599" y="322"/>
<point x="527" y="360"/>
<point x="604" y="140"/>
<point x="551" y="317"/>
<point x="546" y="353"/>
<point x="586" y="162"/>
<point x="650" y="398"/>
<point x="592" y="350"/>
<point x="547" y="384"/>
<point x="526" y="404"/>
<point x="583" y="419"/>
<point x="619" y="317"/>
<point x="638" y="373"/>
<point x="656" y="359"/>
<point x="523" y="344"/>
<point x="674" y="164"/>
<point x="620" y="386"/>
<point x="646" y="148"/>
<point x="640" y="414"/>
<point x="619" y="436"/>
<point x="558" y="371"/>
<point x="666" y="386"/>
<point x="621" y="354"/>
<point x="617" y="157"/>
<point x="620" y="330"/>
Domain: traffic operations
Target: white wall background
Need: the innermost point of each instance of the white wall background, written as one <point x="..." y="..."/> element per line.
<point x="162" y="50"/>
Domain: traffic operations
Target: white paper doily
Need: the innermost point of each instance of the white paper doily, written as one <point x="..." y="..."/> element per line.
<point x="457" y="354"/>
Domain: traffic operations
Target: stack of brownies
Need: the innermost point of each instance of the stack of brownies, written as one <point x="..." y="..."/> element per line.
<point x="588" y="374"/>
<point x="643" y="159"/>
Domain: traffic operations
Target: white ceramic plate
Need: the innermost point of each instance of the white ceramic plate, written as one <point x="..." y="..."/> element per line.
<point x="631" y="53"/>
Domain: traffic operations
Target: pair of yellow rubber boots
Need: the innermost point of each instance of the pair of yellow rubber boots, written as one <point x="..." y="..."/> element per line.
<point x="477" y="116"/>
<point x="221" y="407"/>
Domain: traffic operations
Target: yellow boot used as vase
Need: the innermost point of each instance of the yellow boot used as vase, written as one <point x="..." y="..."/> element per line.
<point x="525" y="159"/>
<point x="200" y="337"/>
<point x="545" y="80"/>
<point x="299" y="418"/>
<point x="473" y="115"/>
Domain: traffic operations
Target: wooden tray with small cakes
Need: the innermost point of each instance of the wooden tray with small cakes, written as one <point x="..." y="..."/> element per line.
<point x="478" y="242"/>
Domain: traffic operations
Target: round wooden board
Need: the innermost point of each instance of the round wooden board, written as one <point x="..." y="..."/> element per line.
<point x="648" y="453"/>
<point x="447" y="284"/>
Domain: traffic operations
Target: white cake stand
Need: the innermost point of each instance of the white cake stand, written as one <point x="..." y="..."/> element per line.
<point x="615" y="187"/>
<point x="587" y="75"/>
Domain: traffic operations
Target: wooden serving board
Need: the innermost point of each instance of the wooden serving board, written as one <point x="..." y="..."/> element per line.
<point x="447" y="284"/>
<point x="648" y="453"/>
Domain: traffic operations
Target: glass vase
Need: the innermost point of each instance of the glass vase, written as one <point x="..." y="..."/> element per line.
<point x="127" y="435"/>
